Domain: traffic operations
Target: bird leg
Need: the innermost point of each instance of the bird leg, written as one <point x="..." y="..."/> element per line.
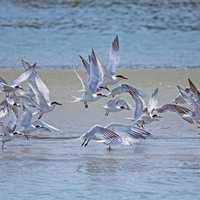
<point x="109" y="148"/>
<point x="107" y="113"/>
<point x="40" y="116"/>
<point x="3" y="146"/>
<point x="83" y="144"/>
<point x="86" y="143"/>
<point x="26" y="136"/>
<point x="86" y="105"/>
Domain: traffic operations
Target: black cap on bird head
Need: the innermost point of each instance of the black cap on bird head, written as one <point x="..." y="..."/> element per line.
<point x="56" y="103"/>
<point x="122" y="77"/>
<point x="155" y="114"/>
<point x="19" y="87"/>
<point x="104" y="87"/>
<point x="101" y="95"/>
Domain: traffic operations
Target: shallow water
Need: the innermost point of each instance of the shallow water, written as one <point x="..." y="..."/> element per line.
<point x="164" y="166"/>
<point x="53" y="33"/>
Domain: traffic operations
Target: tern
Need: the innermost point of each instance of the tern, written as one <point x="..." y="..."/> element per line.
<point x="108" y="74"/>
<point x="143" y="113"/>
<point x="89" y="87"/>
<point x="116" y="105"/>
<point x="182" y="111"/>
<point x="113" y="134"/>
<point x="43" y="99"/>
<point x="26" y="125"/>
<point x="36" y="89"/>
<point x="8" y="126"/>
<point x="188" y="95"/>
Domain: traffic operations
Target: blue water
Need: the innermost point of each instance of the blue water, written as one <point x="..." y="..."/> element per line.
<point x="53" y="33"/>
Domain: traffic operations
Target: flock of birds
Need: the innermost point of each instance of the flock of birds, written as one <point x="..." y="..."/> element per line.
<point x="27" y="100"/>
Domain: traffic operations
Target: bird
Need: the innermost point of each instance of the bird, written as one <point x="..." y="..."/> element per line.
<point x="37" y="89"/>
<point x="143" y="113"/>
<point x="116" y="105"/>
<point x="42" y="98"/>
<point x="21" y="105"/>
<point x="108" y="73"/>
<point x="89" y="86"/>
<point x="8" y="126"/>
<point x="188" y="94"/>
<point x="186" y="114"/>
<point x="112" y="134"/>
<point x="25" y="124"/>
<point x="190" y="97"/>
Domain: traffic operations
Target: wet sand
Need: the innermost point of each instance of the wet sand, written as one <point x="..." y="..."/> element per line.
<point x="165" y="166"/>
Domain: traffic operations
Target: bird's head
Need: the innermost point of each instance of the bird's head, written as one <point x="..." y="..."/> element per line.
<point x="101" y="95"/>
<point x="56" y="103"/>
<point x="19" y="87"/>
<point x="119" y="76"/>
<point x="154" y="114"/>
<point x="104" y="87"/>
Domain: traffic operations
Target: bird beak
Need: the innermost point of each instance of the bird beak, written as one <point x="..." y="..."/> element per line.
<point x="122" y="77"/>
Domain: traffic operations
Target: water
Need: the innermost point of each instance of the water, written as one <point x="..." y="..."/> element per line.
<point x="152" y="33"/>
<point x="165" y="166"/>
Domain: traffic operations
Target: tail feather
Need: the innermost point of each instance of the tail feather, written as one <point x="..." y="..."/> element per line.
<point x="76" y="99"/>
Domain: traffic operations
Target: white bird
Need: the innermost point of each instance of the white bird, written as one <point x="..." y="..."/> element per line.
<point x="42" y="97"/>
<point x="108" y="74"/>
<point x="8" y="135"/>
<point x="185" y="113"/>
<point x="8" y="126"/>
<point x="89" y="87"/>
<point x="112" y="134"/>
<point x="116" y="105"/>
<point x="143" y="113"/>
<point x="25" y="124"/>
<point x="37" y="88"/>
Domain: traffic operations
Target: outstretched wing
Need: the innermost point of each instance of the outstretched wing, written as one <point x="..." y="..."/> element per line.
<point x="23" y="77"/>
<point x="100" y="134"/>
<point x="124" y="130"/>
<point x="114" y="57"/>
<point x="85" y="64"/>
<point x="123" y="88"/>
<point x="83" y="84"/>
<point x="43" y="89"/>
<point x="186" y="96"/>
<point x="173" y="108"/>
<point x="94" y="73"/>
<point x="153" y="101"/>
<point x="193" y="88"/>
<point x="139" y="106"/>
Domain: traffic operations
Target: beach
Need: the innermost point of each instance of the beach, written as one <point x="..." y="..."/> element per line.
<point x="164" y="166"/>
